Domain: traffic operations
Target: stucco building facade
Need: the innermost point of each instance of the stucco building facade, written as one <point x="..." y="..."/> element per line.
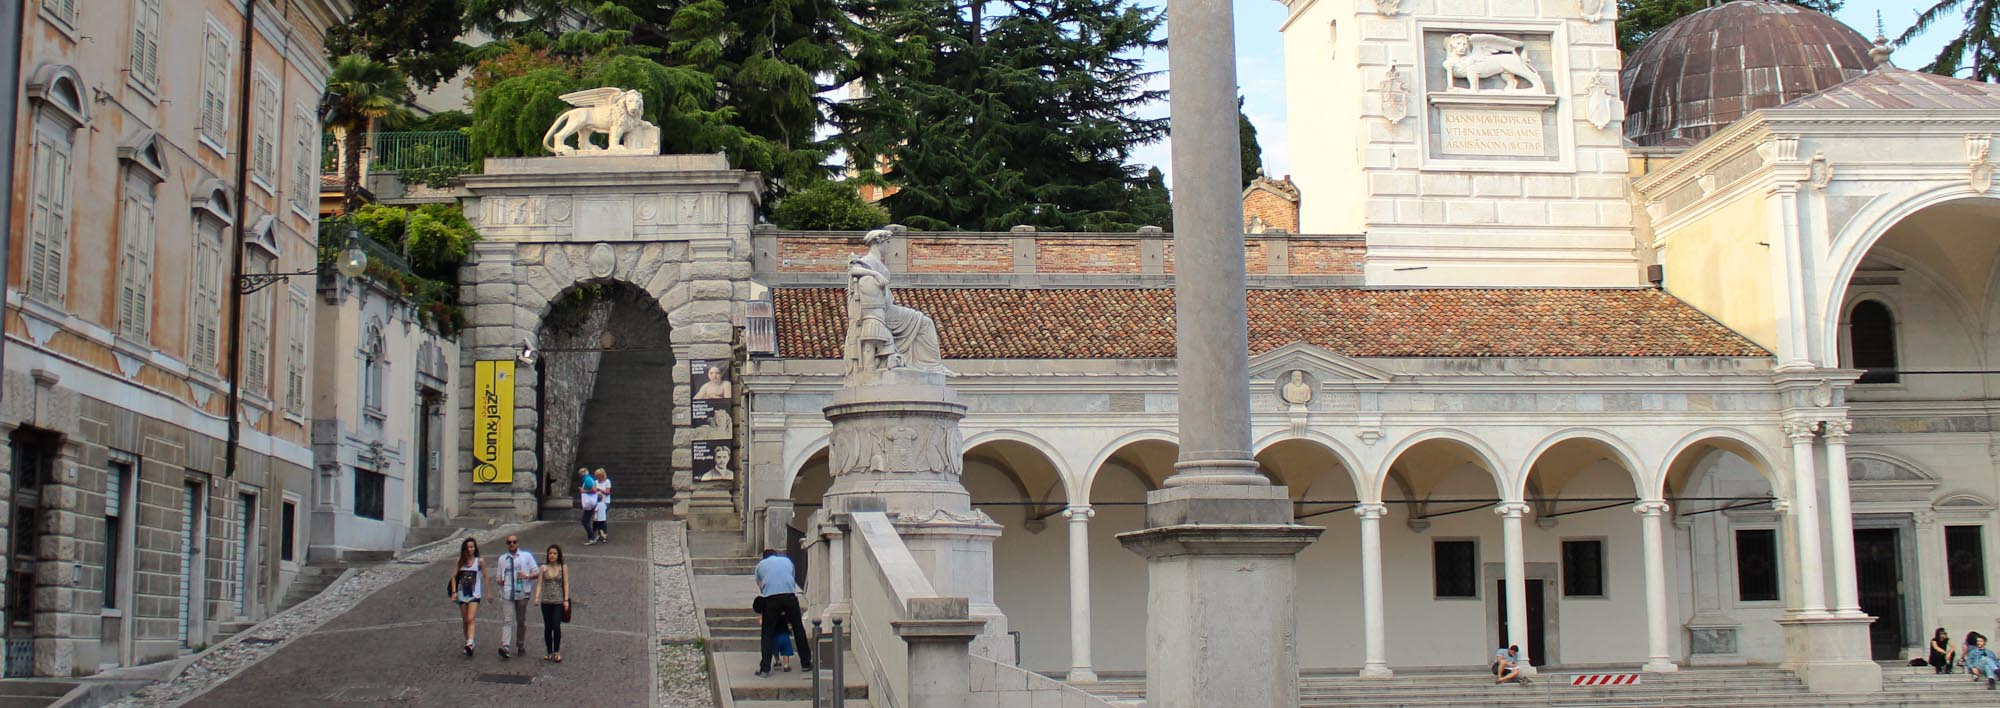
<point x="137" y="529"/>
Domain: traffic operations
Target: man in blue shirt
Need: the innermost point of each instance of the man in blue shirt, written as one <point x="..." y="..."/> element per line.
<point x="778" y="587"/>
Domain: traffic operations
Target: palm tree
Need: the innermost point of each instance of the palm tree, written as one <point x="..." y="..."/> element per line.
<point x="1980" y="42"/>
<point x="360" y="92"/>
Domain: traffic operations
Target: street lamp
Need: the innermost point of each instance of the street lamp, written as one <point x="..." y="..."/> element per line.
<point x="351" y="263"/>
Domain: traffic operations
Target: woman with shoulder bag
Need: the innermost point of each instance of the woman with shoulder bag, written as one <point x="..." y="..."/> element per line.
<point x="468" y="576"/>
<point x="555" y="602"/>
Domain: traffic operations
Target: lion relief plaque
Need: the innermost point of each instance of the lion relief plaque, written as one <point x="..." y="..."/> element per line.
<point x="1488" y="97"/>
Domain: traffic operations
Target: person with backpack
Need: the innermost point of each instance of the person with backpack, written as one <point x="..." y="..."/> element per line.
<point x="586" y="500"/>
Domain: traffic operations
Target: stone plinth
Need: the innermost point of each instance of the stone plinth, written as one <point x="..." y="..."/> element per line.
<point x="1831" y="654"/>
<point x="896" y="448"/>
<point x="1221" y="582"/>
<point x="712" y="506"/>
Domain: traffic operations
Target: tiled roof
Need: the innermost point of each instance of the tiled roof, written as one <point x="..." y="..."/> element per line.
<point x="1902" y="89"/>
<point x="1136" y="323"/>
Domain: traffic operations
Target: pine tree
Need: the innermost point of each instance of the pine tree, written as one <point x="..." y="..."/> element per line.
<point x="1017" y="112"/>
<point x="418" y="37"/>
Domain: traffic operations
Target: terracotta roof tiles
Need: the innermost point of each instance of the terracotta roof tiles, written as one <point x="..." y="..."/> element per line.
<point x="1138" y="323"/>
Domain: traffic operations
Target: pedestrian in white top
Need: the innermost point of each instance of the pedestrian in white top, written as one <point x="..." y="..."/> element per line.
<point x="603" y="511"/>
<point x="516" y="580"/>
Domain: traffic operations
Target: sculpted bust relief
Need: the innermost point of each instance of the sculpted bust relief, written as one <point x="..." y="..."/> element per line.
<point x="1296" y="391"/>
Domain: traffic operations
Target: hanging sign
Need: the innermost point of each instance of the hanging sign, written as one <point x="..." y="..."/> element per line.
<point x="493" y="422"/>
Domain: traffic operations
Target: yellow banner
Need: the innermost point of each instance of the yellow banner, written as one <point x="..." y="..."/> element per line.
<point x="493" y="422"/>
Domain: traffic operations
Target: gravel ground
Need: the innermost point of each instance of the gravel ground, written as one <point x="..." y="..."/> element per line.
<point x="683" y="664"/>
<point x="241" y="651"/>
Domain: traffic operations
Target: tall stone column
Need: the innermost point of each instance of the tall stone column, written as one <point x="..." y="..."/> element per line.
<point x="1805" y="518"/>
<point x="1511" y="514"/>
<point x="1840" y="520"/>
<point x="1220" y="544"/>
<point x="1080" y="669"/>
<point x="1375" y="633"/>
<point x="1659" y="656"/>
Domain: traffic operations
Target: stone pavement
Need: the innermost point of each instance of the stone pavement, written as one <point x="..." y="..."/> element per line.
<point x="402" y="646"/>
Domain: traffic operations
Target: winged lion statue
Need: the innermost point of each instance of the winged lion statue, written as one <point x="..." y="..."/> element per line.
<point x="1475" y="57"/>
<point x="618" y="113"/>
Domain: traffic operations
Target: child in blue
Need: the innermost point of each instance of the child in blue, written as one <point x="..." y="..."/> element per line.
<point x="785" y="650"/>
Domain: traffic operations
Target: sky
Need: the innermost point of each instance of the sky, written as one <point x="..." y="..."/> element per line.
<point x="1260" y="66"/>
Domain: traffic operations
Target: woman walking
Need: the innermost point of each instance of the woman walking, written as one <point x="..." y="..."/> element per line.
<point x="1942" y="655"/>
<point x="586" y="499"/>
<point x="464" y="587"/>
<point x="554" y="600"/>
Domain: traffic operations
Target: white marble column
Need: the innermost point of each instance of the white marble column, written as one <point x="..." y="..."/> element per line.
<point x="1375" y="644"/>
<point x="1805" y="518"/>
<point x="1840" y="520"/>
<point x="1511" y="514"/>
<point x="1080" y="669"/>
<point x="1653" y="531"/>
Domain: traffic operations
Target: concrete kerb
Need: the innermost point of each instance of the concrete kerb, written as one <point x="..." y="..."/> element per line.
<point x="719" y="683"/>
<point x="185" y="663"/>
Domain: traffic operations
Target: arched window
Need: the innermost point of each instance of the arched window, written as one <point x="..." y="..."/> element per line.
<point x="1871" y="342"/>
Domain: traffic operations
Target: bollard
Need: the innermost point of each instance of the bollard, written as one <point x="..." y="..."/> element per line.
<point x="839" y="667"/>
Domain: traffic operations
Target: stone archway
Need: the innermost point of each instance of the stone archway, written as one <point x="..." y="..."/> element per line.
<point x="670" y="229"/>
<point x="605" y="374"/>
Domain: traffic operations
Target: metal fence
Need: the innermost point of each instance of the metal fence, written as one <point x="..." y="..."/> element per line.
<point x="399" y="151"/>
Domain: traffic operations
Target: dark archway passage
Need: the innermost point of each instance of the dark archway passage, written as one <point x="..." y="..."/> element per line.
<point x="607" y="392"/>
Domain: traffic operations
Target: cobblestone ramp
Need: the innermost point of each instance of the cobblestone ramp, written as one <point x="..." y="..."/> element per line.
<point x="394" y="639"/>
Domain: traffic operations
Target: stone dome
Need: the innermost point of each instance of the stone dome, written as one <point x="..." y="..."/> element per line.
<point x="1705" y="71"/>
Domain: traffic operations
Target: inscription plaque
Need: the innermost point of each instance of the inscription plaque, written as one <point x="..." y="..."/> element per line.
<point x="1485" y="132"/>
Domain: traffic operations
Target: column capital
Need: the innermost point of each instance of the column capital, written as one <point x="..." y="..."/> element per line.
<point x="1371" y="512"/>
<point x="1651" y="508"/>
<point x="1836" y="430"/>
<point x="1512" y="510"/>
<point x="1079" y="513"/>
<point x="1800" y="431"/>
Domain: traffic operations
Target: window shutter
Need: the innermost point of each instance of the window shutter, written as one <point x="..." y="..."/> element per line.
<point x="49" y="237"/>
<point x="146" y="41"/>
<point x="38" y="240"/>
<point x="215" y="88"/>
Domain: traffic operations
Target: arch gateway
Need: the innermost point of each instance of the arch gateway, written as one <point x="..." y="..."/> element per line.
<point x="600" y="283"/>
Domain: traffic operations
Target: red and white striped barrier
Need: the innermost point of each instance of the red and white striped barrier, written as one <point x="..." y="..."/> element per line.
<point x="1604" y="680"/>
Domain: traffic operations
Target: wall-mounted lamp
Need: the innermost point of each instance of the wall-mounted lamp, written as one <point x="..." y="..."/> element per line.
<point x="351" y="263"/>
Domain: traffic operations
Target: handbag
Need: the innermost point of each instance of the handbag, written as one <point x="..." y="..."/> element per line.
<point x="566" y="613"/>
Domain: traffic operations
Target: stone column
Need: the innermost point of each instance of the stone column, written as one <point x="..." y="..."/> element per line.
<point x="1375" y="644"/>
<point x="1840" y="520"/>
<point x="1805" y="518"/>
<point x="1080" y="669"/>
<point x="1511" y="514"/>
<point x="836" y="571"/>
<point x="1653" y="530"/>
<point x="1220" y="543"/>
<point x="938" y="636"/>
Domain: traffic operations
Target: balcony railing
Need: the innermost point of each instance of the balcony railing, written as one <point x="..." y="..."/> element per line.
<point x="399" y="151"/>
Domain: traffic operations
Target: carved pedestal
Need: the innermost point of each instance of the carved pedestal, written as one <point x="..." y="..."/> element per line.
<point x="1831" y="654"/>
<point x="712" y="506"/>
<point x="896" y="448"/>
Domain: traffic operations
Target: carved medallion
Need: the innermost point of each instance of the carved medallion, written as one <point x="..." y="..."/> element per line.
<point x="602" y="260"/>
<point x="558" y="210"/>
<point x="1820" y="172"/>
<point x="1591" y="10"/>
<point x="1598" y="102"/>
<point x="1395" y="95"/>
<point x="1388" y="8"/>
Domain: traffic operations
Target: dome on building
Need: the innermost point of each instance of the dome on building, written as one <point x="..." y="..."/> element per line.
<point x="1705" y="71"/>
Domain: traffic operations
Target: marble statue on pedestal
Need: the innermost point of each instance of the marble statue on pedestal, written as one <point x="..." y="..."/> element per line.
<point x="618" y="113"/>
<point x="881" y="335"/>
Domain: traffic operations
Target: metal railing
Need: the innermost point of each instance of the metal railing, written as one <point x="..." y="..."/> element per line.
<point x="399" y="151"/>
<point x="829" y="658"/>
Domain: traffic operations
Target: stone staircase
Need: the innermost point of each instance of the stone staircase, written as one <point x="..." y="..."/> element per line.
<point x="724" y="589"/>
<point x="33" y="692"/>
<point x="1748" y="687"/>
<point x="626" y="432"/>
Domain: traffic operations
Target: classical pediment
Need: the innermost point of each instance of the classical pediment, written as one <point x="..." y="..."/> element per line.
<point x="1324" y="365"/>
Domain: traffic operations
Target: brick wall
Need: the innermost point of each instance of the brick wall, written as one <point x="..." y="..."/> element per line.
<point x="1277" y="212"/>
<point x="1079" y="256"/>
<point x="1068" y="254"/>
<point x="1327" y="257"/>
<point x="961" y="255"/>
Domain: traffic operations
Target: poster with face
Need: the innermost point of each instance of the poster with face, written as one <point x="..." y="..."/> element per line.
<point x="714" y="461"/>
<point x="714" y="393"/>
